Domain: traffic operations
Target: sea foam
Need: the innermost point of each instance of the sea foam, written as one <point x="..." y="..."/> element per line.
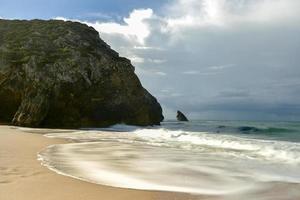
<point x="173" y="160"/>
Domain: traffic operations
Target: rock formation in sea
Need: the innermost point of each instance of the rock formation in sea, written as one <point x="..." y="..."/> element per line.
<point x="62" y="74"/>
<point x="181" y="117"/>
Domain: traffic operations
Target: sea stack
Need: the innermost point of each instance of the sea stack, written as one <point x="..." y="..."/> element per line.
<point x="181" y="116"/>
<point x="62" y="74"/>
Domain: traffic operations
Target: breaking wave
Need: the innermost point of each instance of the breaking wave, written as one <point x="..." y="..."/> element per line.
<point x="173" y="160"/>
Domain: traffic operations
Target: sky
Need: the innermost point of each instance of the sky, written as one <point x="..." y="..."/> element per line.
<point x="211" y="59"/>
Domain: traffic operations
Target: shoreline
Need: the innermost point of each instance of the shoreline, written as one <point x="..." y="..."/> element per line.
<point x="23" y="177"/>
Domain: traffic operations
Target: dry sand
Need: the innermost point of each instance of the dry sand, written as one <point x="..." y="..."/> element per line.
<point x="23" y="178"/>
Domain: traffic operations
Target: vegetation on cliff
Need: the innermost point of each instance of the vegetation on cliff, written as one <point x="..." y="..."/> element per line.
<point x="61" y="74"/>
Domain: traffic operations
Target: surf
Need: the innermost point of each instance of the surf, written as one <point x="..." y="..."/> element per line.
<point x="174" y="159"/>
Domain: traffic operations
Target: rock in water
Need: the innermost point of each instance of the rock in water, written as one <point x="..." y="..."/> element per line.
<point x="181" y="116"/>
<point x="61" y="74"/>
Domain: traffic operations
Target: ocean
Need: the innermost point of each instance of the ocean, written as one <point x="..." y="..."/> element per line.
<point x="228" y="159"/>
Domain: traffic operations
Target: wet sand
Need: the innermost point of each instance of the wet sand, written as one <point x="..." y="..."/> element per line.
<point x="23" y="178"/>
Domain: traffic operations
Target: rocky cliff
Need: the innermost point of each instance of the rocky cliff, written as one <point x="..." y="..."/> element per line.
<point x="61" y="74"/>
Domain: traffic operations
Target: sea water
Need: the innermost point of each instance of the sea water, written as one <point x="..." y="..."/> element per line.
<point x="229" y="159"/>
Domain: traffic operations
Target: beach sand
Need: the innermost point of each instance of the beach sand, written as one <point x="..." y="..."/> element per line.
<point x="22" y="177"/>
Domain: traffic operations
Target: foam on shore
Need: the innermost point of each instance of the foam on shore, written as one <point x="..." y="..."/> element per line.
<point x="179" y="161"/>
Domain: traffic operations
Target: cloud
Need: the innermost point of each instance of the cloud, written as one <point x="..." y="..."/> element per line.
<point x="234" y="94"/>
<point x="211" y="70"/>
<point x="147" y="48"/>
<point x="228" y="12"/>
<point x="218" y="59"/>
<point x="221" y="67"/>
<point x="191" y="72"/>
<point x="165" y="91"/>
<point x="136" y="60"/>
<point x="135" y="26"/>
<point x="157" y="61"/>
<point x="161" y="73"/>
<point x="64" y="19"/>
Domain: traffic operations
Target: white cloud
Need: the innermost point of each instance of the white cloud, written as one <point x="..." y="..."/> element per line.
<point x="222" y="13"/>
<point x="63" y="19"/>
<point x="196" y="12"/>
<point x="208" y="70"/>
<point x="136" y="60"/>
<point x="157" y="61"/>
<point x="176" y="94"/>
<point x="134" y="28"/>
<point x="161" y="73"/>
<point x="191" y="72"/>
<point x="147" y="48"/>
<point x="221" y="67"/>
<point x="165" y="90"/>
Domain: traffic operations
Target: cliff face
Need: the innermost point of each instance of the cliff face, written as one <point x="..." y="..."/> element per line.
<point x="61" y="74"/>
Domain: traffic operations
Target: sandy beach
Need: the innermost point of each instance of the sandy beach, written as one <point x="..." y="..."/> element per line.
<point x="22" y="176"/>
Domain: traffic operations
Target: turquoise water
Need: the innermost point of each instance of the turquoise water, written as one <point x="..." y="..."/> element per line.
<point x="228" y="159"/>
<point x="284" y="131"/>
